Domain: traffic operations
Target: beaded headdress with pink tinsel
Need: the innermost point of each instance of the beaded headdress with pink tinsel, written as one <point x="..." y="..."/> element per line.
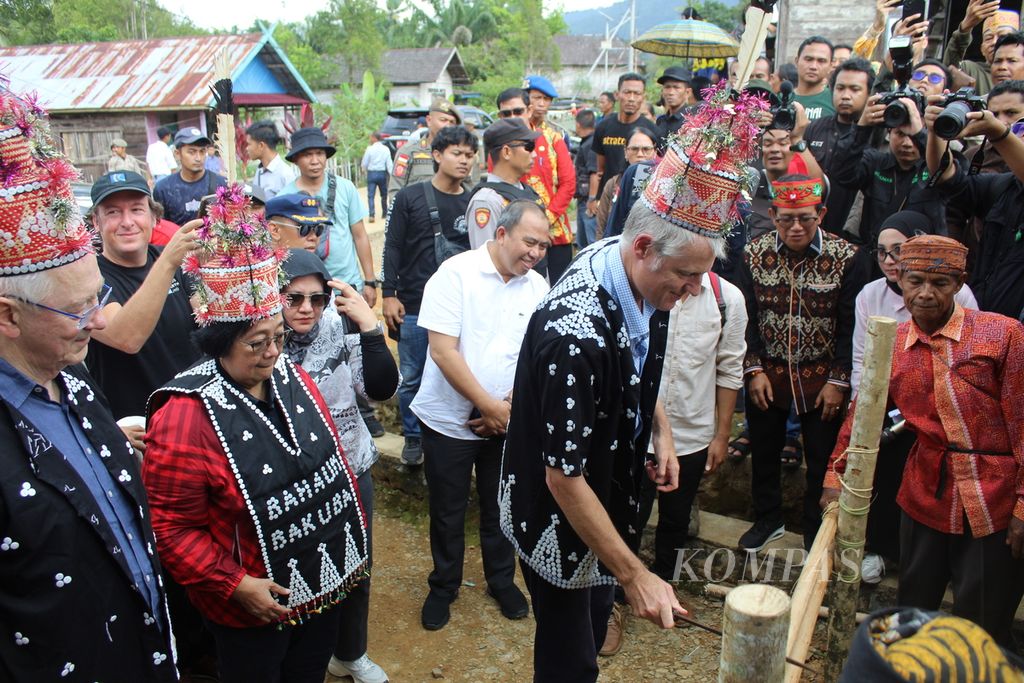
<point x="41" y="226"/>
<point x="238" y="267"/>
<point x="700" y="181"/>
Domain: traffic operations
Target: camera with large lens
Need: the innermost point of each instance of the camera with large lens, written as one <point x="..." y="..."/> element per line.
<point x="896" y="113"/>
<point x="950" y="123"/>
<point x="784" y="113"/>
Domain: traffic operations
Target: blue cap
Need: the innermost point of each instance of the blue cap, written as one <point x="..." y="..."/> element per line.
<point x="300" y="207"/>
<point x="540" y="83"/>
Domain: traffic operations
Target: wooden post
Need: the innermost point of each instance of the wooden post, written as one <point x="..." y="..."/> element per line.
<point x="754" y="635"/>
<point x="808" y="594"/>
<point x="855" y="499"/>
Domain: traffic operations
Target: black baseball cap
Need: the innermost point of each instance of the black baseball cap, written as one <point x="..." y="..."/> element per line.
<point x="504" y="131"/>
<point x="676" y="73"/>
<point x="118" y="181"/>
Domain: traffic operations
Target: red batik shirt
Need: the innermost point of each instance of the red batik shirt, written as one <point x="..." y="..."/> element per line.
<point x="204" y="532"/>
<point x="553" y="177"/>
<point x="962" y="391"/>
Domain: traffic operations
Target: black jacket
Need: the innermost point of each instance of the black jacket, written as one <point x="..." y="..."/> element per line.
<point x="822" y="137"/>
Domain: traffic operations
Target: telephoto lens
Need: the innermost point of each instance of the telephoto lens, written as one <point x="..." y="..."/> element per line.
<point x="896" y="115"/>
<point x="952" y="120"/>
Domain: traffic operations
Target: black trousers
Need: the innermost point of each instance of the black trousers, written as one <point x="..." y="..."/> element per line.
<point x="673" y="530"/>
<point x="883" y="532"/>
<point x="354" y="610"/>
<point x="448" y="465"/>
<point x="265" y="654"/>
<point x="571" y="626"/>
<point x="559" y="257"/>
<point x="987" y="582"/>
<point x="767" y="429"/>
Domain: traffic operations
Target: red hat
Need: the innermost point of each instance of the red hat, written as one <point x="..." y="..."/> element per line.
<point x="41" y="226"/>
<point x="700" y="181"/>
<point x="240" y="275"/>
<point x="797" y="194"/>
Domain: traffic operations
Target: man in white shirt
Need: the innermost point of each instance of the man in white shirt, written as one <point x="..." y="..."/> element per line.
<point x="159" y="156"/>
<point x="475" y="309"/>
<point x="703" y="359"/>
<point x="378" y="165"/>
<point x="261" y="144"/>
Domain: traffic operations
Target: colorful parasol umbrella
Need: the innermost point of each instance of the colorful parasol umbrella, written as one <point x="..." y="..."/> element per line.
<point x="687" y="38"/>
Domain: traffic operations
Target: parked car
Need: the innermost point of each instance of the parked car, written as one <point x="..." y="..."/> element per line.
<point x="475" y="116"/>
<point x="397" y="126"/>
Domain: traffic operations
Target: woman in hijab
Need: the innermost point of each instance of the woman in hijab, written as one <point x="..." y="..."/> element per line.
<point x="885" y="298"/>
<point x="343" y="350"/>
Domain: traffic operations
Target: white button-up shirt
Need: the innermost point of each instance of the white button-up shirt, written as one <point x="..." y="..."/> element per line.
<point x="466" y="298"/>
<point x="700" y="356"/>
<point x="274" y="176"/>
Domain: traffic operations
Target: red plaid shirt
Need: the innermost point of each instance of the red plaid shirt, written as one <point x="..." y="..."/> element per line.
<point x="962" y="391"/>
<point x="204" y="533"/>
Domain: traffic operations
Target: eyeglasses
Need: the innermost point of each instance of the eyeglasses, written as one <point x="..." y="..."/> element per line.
<point x="645" y="149"/>
<point x="934" y="79"/>
<point x="881" y="253"/>
<point x="509" y="113"/>
<point x="806" y="221"/>
<point x="304" y="230"/>
<point x="317" y="300"/>
<point x="528" y="145"/>
<point x="85" y="316"/>
<point x="260" y="347"/>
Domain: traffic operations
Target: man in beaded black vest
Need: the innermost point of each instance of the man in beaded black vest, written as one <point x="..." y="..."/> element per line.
<point x="585" y="398"/>
<point x="800" y="284"/>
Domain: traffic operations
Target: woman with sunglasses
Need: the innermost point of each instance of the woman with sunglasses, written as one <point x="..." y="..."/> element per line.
<point x="255" y="507"/>
<point x="640" y="146"/>
<point x="342" y="348"/>
<point x="885" y="298"/>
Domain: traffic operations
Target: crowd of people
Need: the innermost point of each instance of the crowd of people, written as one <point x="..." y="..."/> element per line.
<point x="187" y="388"/>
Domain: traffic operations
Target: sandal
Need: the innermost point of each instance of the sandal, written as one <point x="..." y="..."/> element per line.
<point x="739" y="447"/>
<point x="791" y="454"/>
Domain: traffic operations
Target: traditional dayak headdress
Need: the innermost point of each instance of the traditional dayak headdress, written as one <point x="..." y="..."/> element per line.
<point x="40" y="224"/>
<point x="699" y="183"/>
<point x="238" y="268"/>
<point x="797" y="194"/>
<point x="933" y="254"/>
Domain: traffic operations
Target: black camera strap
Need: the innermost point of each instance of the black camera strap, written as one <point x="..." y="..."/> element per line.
<point x="947" y="159"/>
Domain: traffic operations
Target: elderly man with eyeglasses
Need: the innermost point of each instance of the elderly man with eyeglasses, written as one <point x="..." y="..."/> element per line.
<point x="81" y="595"/>
<point x="800" y="284"/>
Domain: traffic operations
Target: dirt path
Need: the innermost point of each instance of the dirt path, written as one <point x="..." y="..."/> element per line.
<point x="479" y="644"/>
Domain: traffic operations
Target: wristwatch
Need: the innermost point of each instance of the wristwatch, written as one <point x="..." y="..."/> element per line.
<point x="371" y="283"/>
<point x="798" y="147"/>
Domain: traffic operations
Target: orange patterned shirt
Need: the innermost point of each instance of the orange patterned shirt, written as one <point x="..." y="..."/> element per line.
<point x="553" y="177"/>
<point x="962" y="391"/>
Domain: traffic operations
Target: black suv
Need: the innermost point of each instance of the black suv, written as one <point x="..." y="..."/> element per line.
<point x="397" y="126"/>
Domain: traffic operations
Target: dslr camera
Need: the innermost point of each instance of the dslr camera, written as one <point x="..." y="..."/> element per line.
<point x="896" y="113"/>
<point x="784" y="113"/>
<point x="950" y="123"/>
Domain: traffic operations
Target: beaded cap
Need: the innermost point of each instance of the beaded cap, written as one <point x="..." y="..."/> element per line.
<point x="699" y="183"/>
<point x="41" y="226"/>
<point x="238" y="268"/>
<point x="797" y="194"/>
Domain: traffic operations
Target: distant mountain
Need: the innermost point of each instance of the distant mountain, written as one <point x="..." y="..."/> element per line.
<point x="649" y="13"/>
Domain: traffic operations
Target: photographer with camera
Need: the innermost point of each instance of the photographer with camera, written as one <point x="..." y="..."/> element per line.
<point x="996" y="198"/>
<point x="895" y="179"/>
<point x="850" y="84"/>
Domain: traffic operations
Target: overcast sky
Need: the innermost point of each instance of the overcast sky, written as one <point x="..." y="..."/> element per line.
<point x="227" y="14"/>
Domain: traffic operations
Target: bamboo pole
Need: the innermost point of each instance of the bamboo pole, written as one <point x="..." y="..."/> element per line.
<point x="718" y="590"/>
<point x="753" y="635"/>
<point x="809" y="593"/>
<point x="855" y="498"/>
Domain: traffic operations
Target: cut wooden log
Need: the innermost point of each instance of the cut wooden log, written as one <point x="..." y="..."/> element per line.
<point x="754" y="635"/>
<point x="720" y="590"/>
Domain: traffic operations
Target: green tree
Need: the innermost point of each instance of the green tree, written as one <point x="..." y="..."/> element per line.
<point x="25" y="22"/>
<point x="318" y="71"/>
<point x="718" y="13"/>
<point x="356" y="113"/>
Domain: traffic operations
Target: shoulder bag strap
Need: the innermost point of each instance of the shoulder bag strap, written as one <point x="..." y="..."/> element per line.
<point x="435" y="215"/>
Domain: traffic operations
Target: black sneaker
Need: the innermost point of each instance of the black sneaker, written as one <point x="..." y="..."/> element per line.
<point x="435" y="613"/>
<point x="374" y="425"/>
<point x="412" y="453"/>
<point x="761" y="534"/>
<point x="512" y="602"/>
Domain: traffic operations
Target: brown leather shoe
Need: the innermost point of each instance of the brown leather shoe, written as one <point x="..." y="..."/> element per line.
<point x="616" y="629"/>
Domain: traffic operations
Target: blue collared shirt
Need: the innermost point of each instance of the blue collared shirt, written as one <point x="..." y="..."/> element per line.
<point x="57" y="423"/>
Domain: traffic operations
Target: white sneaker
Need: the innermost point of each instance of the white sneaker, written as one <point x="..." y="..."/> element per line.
<point x="872" y="569"/>
<point x="363" y="670"/>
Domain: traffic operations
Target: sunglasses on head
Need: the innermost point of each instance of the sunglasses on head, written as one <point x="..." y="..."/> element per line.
<point x="304" y="230"/>
<point x="934" y="79"/>
<point x="509" y="113"/>
<point x="527" y="145"/>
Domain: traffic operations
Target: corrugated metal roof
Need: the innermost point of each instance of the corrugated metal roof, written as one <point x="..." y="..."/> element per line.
<point x="167" y="73"/>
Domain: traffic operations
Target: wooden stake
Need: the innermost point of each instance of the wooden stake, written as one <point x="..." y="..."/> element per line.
<point x="809" y="593"/>
<point x="754" y="635"/>
<point x="855" y="499"/>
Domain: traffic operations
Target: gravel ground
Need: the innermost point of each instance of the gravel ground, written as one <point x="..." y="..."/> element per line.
<point x="478" y="644"/>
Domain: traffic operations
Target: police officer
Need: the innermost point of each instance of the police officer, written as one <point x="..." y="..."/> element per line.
<point x="414" y="163"/>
